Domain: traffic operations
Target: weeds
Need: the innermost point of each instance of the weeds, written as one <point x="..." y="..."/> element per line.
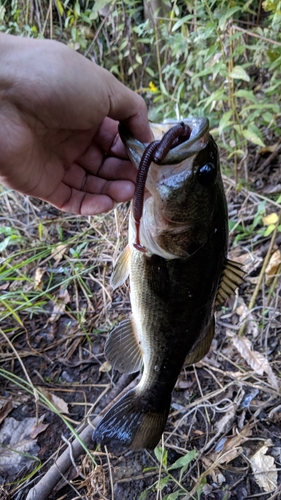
<point x="166" y="474"/>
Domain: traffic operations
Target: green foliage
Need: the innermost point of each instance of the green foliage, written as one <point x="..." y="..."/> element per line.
<point x="190" y="62"/>
<point x="10" y="236"/>
<point x="166" y="475"/>
<point x="258" y="227"/>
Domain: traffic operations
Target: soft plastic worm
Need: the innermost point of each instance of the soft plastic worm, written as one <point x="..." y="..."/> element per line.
<point x="177" y="134"/>
<point x="155" y="151"/>
<point x="145" y="162"/>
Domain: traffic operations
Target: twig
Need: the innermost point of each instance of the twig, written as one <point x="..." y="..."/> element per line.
<point x="110" y="473"/>
<point x="87" y="51"/>
<point x="44" y="487"/>
<point x="261" y="276"/>
<point x="270" y="157"/>
<point x="276" y="494"/>
<point x="251" y="33"/>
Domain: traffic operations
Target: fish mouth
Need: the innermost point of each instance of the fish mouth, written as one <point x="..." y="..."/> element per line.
<point x="197" y="140"/>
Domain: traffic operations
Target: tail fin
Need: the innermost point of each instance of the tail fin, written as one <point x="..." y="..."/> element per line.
<point x="129" y="425"/>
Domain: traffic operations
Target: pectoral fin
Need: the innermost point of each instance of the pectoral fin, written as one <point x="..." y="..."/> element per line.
<point x="122" y="268"/>
<point x="232" y="277"/>
<point x="123" y="349"/>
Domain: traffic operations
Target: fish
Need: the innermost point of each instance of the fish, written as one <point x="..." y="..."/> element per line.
<point x="177" y="280"/>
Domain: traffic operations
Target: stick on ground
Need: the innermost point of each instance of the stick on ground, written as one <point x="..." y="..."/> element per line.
<point x="44" y="487"/>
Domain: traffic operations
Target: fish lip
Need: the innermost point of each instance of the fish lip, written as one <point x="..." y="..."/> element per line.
<point x="197" y="140"/>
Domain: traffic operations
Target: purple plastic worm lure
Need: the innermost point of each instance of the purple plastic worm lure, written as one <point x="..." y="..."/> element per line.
<point x="155" y="151"/>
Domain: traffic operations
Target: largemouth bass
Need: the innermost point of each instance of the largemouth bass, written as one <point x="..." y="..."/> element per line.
<point x="175" y="282"/>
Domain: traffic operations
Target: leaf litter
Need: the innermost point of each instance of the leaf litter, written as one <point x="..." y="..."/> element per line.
<point x="264" y="468"/>
<point x="221" y="407"/>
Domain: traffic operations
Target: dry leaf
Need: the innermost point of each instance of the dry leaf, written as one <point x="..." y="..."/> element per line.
<point x="264" y="470"/>
<point x="239" y="438"/>
<point x="232" y="446"/>
<point x="15" y="455"/>
<point x="209" y="464"/>
<point x="225" y="456"/>
<point x="5" y="286"/>
<point x="58" y="252"/>
<point x="268" y="149"/>
<point x="60" y="404"/>
<point x="57" y="402"/>
<point x="224" y="424"/>
<point x="229" y="455"/>
<point x="273" y="265"/>
<point x="58" y="310"/>
<point x="105" y="367"/>
<point x="256" y="360"/>
<point x="270" y="219"/>
<point x="63" y="296"/>
<point x="245" y="315"/>
<point x="5" y="410"/>
<point x="250" y="261"/>
<point x="37" y="429"/>
<point x="39" y="273"/>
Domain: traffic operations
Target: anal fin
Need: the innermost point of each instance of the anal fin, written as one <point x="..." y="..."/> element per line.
<point x="232" y="276"/>
<point x="123" y="349"/>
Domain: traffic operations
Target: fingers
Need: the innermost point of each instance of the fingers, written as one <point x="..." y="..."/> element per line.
<point x="69" y="199"/>
<point x="115" y="169"/>
<point x="88" y="172"/>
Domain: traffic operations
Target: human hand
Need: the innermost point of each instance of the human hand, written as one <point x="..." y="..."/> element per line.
<point x="59" y="115"/>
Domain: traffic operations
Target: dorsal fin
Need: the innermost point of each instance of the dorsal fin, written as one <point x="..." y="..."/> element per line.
<point x="122" y="348"/>
<point x="121" y="268"/>
<point x="232" y="276"/>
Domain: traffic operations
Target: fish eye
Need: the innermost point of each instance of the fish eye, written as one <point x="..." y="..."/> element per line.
<point x="207" y="174"/>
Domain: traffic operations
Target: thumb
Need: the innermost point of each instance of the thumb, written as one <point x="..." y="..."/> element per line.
<point x="127" y="107"/>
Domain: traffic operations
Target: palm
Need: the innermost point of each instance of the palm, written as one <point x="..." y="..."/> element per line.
<point x="68" y="167"/>
<point x="59" y="117"/>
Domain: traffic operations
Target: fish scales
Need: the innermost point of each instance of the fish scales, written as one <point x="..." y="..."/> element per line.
<point x="174" y="285"/>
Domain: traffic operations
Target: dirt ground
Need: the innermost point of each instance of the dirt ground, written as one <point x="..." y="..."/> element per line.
<point x="226" y="409"/>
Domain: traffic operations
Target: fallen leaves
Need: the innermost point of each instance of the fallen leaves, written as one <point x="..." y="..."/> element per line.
<point x="273" y="265"/>
<point x="20" y="449"/>
<point x="229" y="448"/>
<point x="5" y="410"/>
<point x="58" y="252"/>
<point x="264" y="469"/>
<point x="57" y="402"/>
<point x="270" y="219"/>
<point x="263" y="466"/>
<point x="37" y="429"/>
<point x="38" y="277"/>
<point x="256" y="360"/>
<point x="58" y="306"/>
<point x="246" y="316"/>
